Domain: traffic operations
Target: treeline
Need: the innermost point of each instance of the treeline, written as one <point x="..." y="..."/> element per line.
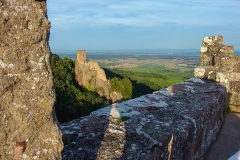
<point x="72" y="100"/>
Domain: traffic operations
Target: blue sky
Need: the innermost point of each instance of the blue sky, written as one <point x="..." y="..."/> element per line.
<point x="141" y="24"/>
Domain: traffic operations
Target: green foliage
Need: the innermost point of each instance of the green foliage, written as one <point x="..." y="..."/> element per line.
<point x="116" y="85"/>
<point x="128" y="88"/>
<point x="123" y="86"/>
<point x="72" y="101"/>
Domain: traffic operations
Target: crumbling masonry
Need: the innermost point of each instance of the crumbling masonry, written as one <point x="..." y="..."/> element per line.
<point x="218" y="63"/>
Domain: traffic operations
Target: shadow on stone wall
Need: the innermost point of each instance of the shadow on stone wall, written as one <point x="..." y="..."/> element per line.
<point x="178" y="122"/>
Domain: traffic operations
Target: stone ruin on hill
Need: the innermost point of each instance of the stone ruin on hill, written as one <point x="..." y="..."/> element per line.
<point x="28" y="124"/>
<point x="219" y="63"/>
<point x="90" y="75"/>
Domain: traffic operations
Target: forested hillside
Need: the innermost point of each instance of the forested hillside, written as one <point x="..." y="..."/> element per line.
<point x="72" y="100"/>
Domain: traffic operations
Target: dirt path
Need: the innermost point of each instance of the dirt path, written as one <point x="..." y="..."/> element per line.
<point x="228" y="140"/>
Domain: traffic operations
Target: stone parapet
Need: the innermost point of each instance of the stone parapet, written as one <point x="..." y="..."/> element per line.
<point x="219" y="63"/>
<point x="178" y="122"/>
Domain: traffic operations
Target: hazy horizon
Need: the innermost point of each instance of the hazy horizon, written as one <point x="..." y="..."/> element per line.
<point x="140" y="51"/>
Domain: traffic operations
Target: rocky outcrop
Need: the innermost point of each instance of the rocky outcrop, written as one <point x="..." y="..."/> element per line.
<point x="90" y="75"/>
<point x="219" y="63"/>
<point x="28" y="124"/>
<point x="178" y="122"/>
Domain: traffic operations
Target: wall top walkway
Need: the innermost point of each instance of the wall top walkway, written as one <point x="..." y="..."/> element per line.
<point x="174" y="123"/>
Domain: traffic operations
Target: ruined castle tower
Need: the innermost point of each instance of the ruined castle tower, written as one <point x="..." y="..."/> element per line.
<point x="28" y="124"/>
<point x="81" y="56"/>
<point x="90" y="75"/>
<point x="219" y="63"/>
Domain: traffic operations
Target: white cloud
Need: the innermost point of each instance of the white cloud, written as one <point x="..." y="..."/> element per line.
<point x="141" y="13"/>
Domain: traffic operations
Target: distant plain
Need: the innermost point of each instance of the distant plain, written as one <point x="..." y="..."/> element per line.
<point x="154" y="69"/>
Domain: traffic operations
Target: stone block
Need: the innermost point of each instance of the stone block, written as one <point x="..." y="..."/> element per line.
<point x="225" y="62"/>
<point x="236" y="67"/>
<point x="234" y="76"/>
<point x="212" y="75"/>
<point x="226" y="51"/>
<point x="222" y="77"/>
<point x="233" y="88"/>
<point x="212" y="40"/>
<point x="207" y="59"/>
<point x="203" y="49"/>
<point x="204" y="72"/>
<point x="214" y="49"/>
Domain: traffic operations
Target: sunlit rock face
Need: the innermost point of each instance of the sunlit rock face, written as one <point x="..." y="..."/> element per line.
<point x="219" y="63"/>
<point x="90" y="75"/>
<point x="28" y="124"/>
<point x="178" y="122"/>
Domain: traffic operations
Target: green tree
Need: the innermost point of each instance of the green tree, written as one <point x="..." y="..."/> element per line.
<point x="128" y="88"/>
<point x="123" y="86"/>
<point x="116" y="85"/>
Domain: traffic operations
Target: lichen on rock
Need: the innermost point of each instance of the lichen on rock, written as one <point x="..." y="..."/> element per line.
<point x="29" y="128"/>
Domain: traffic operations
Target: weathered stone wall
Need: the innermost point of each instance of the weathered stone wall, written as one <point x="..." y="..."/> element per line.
<point x="28" y="124"/>
<point x="178" y="122"/>
<point x="219" y="63"/>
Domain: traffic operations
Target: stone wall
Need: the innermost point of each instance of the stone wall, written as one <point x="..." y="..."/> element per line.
<point x="178" y="122"/>
<point x="28" y="124"/>
<point x="219" y="63"/>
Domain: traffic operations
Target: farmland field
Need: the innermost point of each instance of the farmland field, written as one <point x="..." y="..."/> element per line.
<point x="147" y="71"/>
